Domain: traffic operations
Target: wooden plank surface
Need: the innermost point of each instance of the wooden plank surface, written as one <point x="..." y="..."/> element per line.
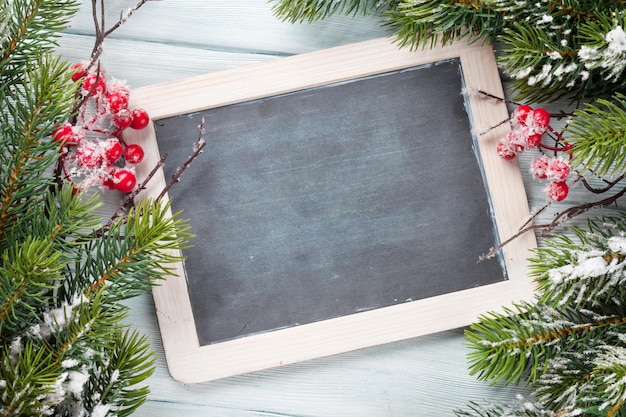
<point x="425" y="376"/>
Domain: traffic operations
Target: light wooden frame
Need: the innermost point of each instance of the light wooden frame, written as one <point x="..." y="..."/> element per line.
<point x="187" y="361"/>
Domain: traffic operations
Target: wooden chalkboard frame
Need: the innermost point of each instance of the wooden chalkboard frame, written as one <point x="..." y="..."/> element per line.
<point x="188" y="361"/>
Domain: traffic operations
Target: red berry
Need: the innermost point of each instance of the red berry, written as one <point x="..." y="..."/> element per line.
<point x="558" y="169"/>
<point x="539" y="167"/>
<point x="540" y="120"/>
<point x="140" y="119"/>
<point x="108" y="183"/>
<point x="123" y="119"/>
<point x="558" y="190"/>
<point x="505" y="149"/>
<point x="124" y="180"/>
<point x="517" y="139"/>
<point x="94" y="84"/>
<point x="533" y="140"/>
<point x="79" y="70"/>
<point x="117" y="100"/>
<point x="63" y="134"/>
<point x="87" y="156"/>
<point x="133" y="154"/>
<point x="107" y="179"/>
<point x="521" y="114"/>
<point x="112" y="150"/>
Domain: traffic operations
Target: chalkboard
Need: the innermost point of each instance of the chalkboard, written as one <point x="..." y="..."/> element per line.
<point x="335" y="200"/>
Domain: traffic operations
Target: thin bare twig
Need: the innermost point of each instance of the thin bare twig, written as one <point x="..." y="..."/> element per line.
<point x="558" y="218"/>
<point x="197" y="150"/>
<point x="609" y="184"/>
<point x="124" y="17"/>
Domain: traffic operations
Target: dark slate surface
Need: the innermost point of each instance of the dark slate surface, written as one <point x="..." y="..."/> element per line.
<point x="331" y="201"/>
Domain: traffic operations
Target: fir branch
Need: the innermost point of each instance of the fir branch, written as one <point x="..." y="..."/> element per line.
<point x="581" y="270"/>
<point x="132" y="362"/>
<point x="558" y="59"/>
<point x="311" y="10"/>
<point x="521" y="408"/>
<point x="610" y="369"/>
<point x="542" y="61"/>
<point x="544" y="41"/>
<point x="25" y="371"/>
<point x="598" y="132"/>
<point x="32" y="29"/>
<point x="570" y="341"/>
<point x="42" y="99"/>
<point x="61" y="283"/>
<point x="29" y="270"/>
<point x="87" y="322"/>
<point x="427" y="23"/>
<point x="139" y="248"/>
<point x="517" y="344"/>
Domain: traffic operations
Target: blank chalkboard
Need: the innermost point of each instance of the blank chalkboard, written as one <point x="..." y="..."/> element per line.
<point x="331" y="201"/>
<point x="333" y="213"/>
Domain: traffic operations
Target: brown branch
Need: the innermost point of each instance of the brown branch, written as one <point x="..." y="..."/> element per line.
<point x="558" y="218"/>
<point x="610" y="184"/>
<point x="199" y="145"/>
<point x="99" y="24"/>
<point x="124" y="17"/>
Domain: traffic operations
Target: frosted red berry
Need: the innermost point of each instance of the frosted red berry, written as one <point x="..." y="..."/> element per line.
<point x="123" y="119"/>
<point x="79" y="71"/>
<point x="117" y="100"/>
<point x="88" y="156"/>
<point x="108" y="183"/>
<point x="107" y="179"/>
<point x="133" y="154"/>
<point x="558" y="169"/>
<point x="99" y="152"/>
<point x="124" y="180"/>
<point x="140" y="119"/>
<point x="63" y="134"/>
<point x="541" y="120"/>
<point x="558" y="190"/>
<point x="505" y="149"/>
<point x="539" y="167"/>
<point x="112" y="150"/>
<point x="520" y="115"/>
<point x="94" y="84"/>
<point x="533" y="140"/>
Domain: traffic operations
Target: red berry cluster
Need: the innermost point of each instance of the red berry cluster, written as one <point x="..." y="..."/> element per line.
<point x="92" y="150"/>
<point x="528" y="128"/>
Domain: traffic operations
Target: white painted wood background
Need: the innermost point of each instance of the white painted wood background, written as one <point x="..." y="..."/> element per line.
<point x="424" y="377"/>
